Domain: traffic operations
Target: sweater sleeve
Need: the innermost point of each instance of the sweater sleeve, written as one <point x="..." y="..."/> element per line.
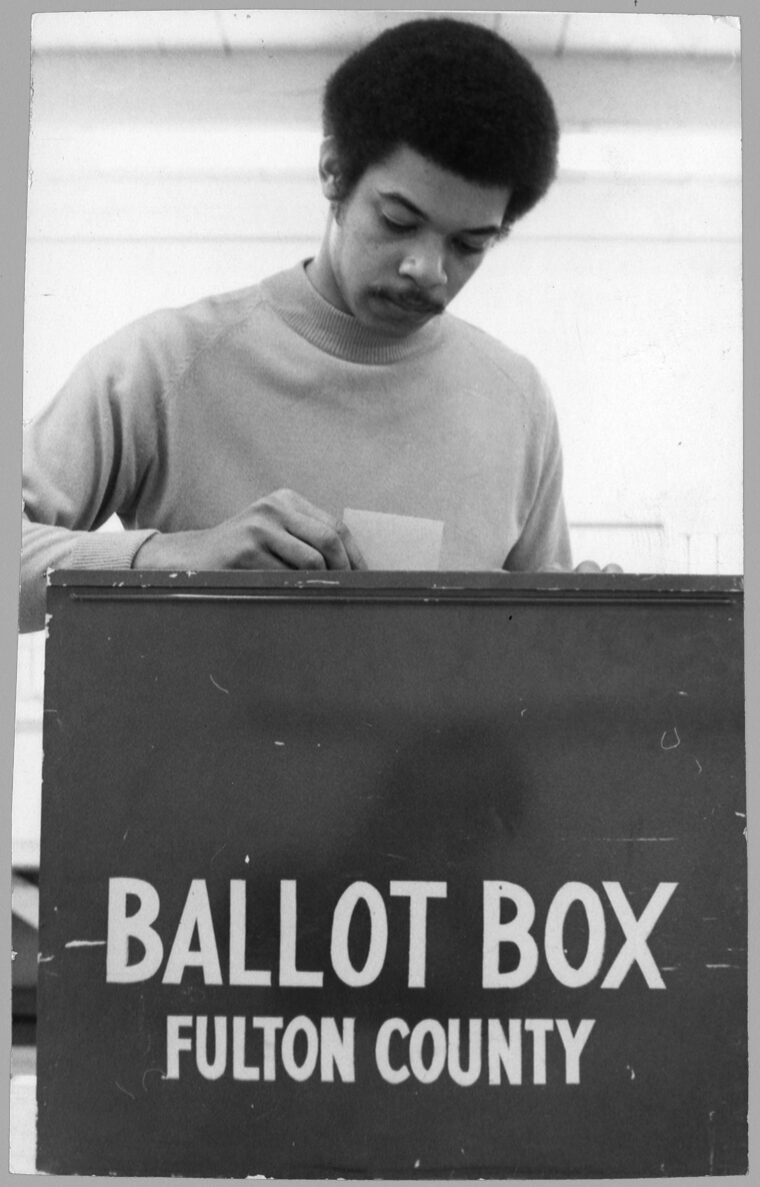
<point x="544" y="542"/>
<point x="85" y="458"/>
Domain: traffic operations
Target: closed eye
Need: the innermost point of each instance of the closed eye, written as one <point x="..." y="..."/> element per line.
<point x="471" y="249"/>
<point x="464" y="247"/>
<point x="396" y="227"/>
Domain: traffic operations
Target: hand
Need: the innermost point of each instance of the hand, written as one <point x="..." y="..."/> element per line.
<point x="281" y="531"/>
<point x="593" y="567"/>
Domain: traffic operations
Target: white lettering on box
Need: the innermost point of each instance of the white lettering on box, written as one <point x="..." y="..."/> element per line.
<point x="196" y="917"/>
<point x="239" y="974"/>
<point x="516" y="932"/>
<point x="418" y="894"/>
<point x="636" y="932"/>
<point x="390" y="1073"/>
<point x="378" y="935"/>
<point x="504" y="1053"/>
<point x="138" y="925"/>
<point x="574" y="1044"/>
<point x="554" y="936"/>
<point x="289" y="974"/>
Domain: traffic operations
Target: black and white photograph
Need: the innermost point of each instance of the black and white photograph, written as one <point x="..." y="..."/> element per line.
<point x="379" y="799"/>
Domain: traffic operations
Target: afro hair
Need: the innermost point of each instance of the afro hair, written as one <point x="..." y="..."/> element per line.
<point x="453" y="91"/>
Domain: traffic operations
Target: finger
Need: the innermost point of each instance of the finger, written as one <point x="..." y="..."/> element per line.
<point x="323" y="535"/>
<point x="289" y="503"/>
<point x="290" y="552"/>
<point x="262" y="559"/>
<point x="330" y="537"/>
<point x="353" y="552"/>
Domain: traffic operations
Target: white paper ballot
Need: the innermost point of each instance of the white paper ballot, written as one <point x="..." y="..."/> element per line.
<point x="395" y="541"/>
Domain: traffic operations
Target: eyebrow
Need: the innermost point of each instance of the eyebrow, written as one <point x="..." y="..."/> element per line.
<point x="395" y="196"/>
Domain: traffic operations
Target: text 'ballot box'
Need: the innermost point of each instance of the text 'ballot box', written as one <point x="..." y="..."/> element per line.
<point x="393" y="875"/>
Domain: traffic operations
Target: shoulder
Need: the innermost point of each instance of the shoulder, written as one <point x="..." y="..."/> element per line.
<point x="493" y="363"/>
<point x="157" y="348"/>
<point x="184" y="327"/>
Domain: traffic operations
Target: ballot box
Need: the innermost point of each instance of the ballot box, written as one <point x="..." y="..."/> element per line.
<point x="393" y="875"/>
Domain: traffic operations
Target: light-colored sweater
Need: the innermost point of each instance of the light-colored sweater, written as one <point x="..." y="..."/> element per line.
<point x="187" y="416"/>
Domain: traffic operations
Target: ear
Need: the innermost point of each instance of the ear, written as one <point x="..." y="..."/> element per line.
<point x="329" y="169"/>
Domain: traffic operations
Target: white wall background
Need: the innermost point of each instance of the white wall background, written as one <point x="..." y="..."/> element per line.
<point x="174" y="154"/>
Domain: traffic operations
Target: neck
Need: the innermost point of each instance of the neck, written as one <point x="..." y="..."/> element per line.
<point x="300" y="304"/>
<point x="321" y="275"/>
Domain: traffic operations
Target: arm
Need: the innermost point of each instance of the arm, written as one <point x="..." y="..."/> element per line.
<point x="544" y="542"/>
<point x="99" y="446"/>
<point x="281" y="531"/>
<point x="544" y="545"/>
<point x="82" y="464"/>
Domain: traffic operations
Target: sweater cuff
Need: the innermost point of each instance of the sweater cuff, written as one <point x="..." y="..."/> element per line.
<point x="107" y="550"/>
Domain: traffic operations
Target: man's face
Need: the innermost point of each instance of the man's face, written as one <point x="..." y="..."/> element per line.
<point x="407" y="239"/>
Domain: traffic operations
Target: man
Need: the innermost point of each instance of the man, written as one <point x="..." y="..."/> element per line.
<point x="236" y="432"/>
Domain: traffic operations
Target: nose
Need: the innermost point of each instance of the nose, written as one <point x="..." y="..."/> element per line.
<point x="425" y="265"/>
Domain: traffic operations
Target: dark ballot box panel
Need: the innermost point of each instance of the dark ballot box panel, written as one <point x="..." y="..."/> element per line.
<point x="393" y="875"/>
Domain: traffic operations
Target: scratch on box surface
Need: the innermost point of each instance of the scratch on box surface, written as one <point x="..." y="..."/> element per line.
<point x="84" y="943"/>
<point x="621" y="840"/>
<point x="124" y="1090"/>
<point x="147" y="1072"/>
<point x="711" y="1133"/>
<point x="216" y="685"/>
<point x="671" y="745"/>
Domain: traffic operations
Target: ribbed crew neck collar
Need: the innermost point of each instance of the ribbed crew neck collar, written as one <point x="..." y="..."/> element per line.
<point x="292" y="295"/>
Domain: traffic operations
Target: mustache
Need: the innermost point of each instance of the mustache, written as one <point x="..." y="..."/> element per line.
<point x="412" y="299"/>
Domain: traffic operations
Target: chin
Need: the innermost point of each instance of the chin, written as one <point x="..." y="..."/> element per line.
<point x="391" y="321"/>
